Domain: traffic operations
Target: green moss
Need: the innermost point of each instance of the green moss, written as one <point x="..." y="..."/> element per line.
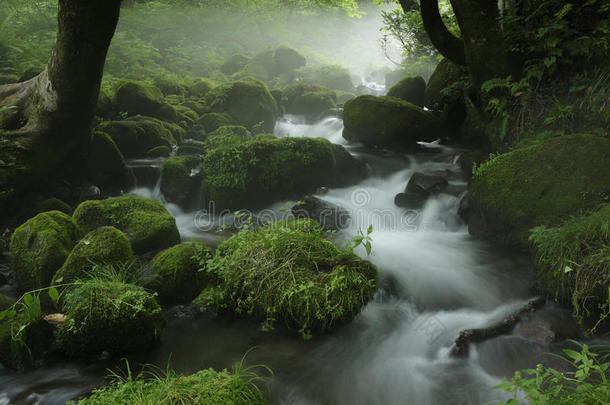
<point x="308" y="100"/>
<point x="234" y="64"/>
<point x="105" y="245"/>
<point x="330" y="76"/>
<point x="538" y="185"/>
<point x="265" y="169"/>
<point x="227" y="136"/>
<point x="40" y="246"/>
<point x="106" y="164"/>
<point x="136" y="97"/>
<point x="203" y="387"/>
<point x="287" y="59"/>
<point x="109" y="316"/>
<point x="134" y="137"/>
<point x="212" y="121"/>
<point x="200" y="88"/>
<point x="180" y="178"/>
<point x="411" y="89"/>
<point x="444" y="90"/>
<point x="169" y="85"/>
<point x="53" y="204"/>
<point x="289" y="273"/>
<point x="176" y="273"/>
<point x="388" y="121"/>
<point x="159" y="151"/>
<point x="573" y="263"/>
<point x="146" y="222"/>
<point x="248" y="101"/>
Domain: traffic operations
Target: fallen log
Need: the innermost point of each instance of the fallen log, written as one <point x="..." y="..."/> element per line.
<point x="466" y="337"/>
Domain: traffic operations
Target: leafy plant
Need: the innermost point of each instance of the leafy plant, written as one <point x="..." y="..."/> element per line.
<point x="588" y="384"/>
<point x="364" y="240"/>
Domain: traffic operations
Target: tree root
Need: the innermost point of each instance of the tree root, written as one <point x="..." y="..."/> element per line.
<point x="466" y="337"/>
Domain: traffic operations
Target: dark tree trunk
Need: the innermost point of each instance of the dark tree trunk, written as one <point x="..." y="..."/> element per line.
<point x="48" y="123"/>
<point x="450" y="46"/>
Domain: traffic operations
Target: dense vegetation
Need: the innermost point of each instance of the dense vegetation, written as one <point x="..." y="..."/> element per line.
<point x="524" y="84"/>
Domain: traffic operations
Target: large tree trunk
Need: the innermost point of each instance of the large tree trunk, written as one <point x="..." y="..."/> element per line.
<point x="47" y="125"/>
<point x="487" y="53"/>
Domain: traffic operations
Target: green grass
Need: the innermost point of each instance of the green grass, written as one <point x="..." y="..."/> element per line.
<point x="573" y="263"/>
<point x="288" y="273"/>
<point x="204" y="387"/>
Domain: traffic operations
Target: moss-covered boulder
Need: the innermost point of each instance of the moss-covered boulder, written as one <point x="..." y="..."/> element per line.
<point x="180" y="179"/>
<point x="146" y="222"/>
<point x="159" y="151"/>
<point x="411" y="89"/>
<point x="225" y="136"/>
<point x="388" y="121"/>
<point x="308" y="100"/>
<point x="573" y="265"/>
<point x="538" y="185"/>
<point x="40" y="246"/>
<point x="203" y="387"/>
<point x="109" y="316"/>
<point x="135" y="98"/>
<point x="178" y="274"/>
<point x="443" y="90"/>
<point x="266" y="169"/>
<point x="248" y="101"/>
<point x="210" y="122"/>
<point x="287" y="59"/>
<point x="234" y="64"/>
<point x="53" y="204"/>
<point x="330" y="76"/>
<point x="199" y="88"/>
<point x="190" y="147"/>
<point x="105" y="245"/>
<point x="106" y="164"/>
<point x="136" y="136"/>
<point x="169" y="85"/>
<point x="325" y="287"/>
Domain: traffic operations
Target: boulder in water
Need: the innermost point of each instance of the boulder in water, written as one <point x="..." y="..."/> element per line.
<point x="420" y="187"/>
<point x="388" y="121"/>
<point x="328" y="215"/>
<point x="411" y="89"/>
<point x="181" y="179"/>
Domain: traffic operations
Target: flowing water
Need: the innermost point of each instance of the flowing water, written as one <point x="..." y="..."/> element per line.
<point x="436" y="281"/>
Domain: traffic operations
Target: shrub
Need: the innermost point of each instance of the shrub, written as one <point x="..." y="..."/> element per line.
<point x="288" y="272"/>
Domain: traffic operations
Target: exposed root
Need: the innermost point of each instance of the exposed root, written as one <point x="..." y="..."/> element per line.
<point x="461" y="344"/>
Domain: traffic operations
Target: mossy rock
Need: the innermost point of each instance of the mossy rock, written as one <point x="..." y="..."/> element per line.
<point x="109" y="316"/>
<point x="212" y="121"/>
<point x="135" y="98"/>
<point x="227" y="136"/>
<point x="159" y="151"/>
<point x="248" y="101"/>
<point x="538" y="185"/>
<point x="200" y="88"/>
<point x="325" y="287"/>
<point x="106" y="164"/>
<point x="146" y="222"/>
<point x="388" y="121"/>
<point x="53" y="204"/>
<point x="190" y="147"/>
<point x="135" y="137"/>
<point x="176" y="273"/>
<point x="105" y="245"/>
<point x="169" y="85"/>
<point x="262" y="66"/>
<point x="37" y="338"/>
<point x="441" y="91"/>
<point x="573" y="265"/>
<point x="180" y="179"/>
<point x="263" y="170"/>
<point x="186" y="116"/>
<point x="203" y="387"/>
<point x="234" y="64"/>
<point x="330" y="76"/>
<point x="40" y="246"/>
<point x="287" y="59"/>
<point x="308" y="100"/>
<point x="411" y="89"/>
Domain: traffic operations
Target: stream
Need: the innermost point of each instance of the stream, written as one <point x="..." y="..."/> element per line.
<point x="435" y="281"/>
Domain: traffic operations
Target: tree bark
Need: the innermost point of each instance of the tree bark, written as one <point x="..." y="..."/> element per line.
<point x="450" y="46"/>
<point x="49" y="117"/>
